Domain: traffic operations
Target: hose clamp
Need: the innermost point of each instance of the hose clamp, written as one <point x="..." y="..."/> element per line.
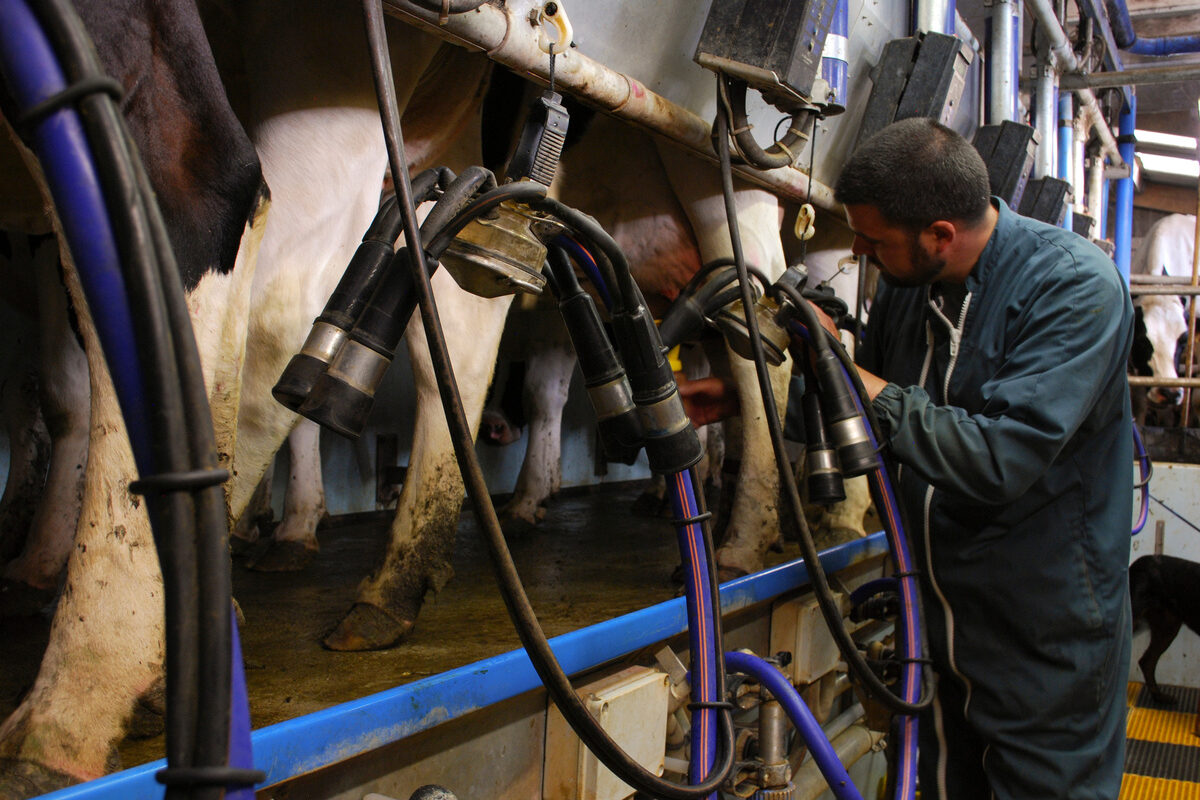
<point x="664" y="418"/>
<point x="611" y="399"/>
<point x="323" y="342"/>
<point x="359" y="366"/>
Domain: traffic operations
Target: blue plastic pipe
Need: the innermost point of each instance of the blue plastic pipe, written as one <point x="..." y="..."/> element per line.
<point x="701" y="627"/>
<point x="1127" y="39"/>
<point x="834" y="63"/>
<point x="1165" y="45"/>
<point x="1123" y="224"/>
<point x="1066" y="149"/>
<point x="31" y="68"/>
<point x="1103" y="231"/>
<point x="806" y="725"/>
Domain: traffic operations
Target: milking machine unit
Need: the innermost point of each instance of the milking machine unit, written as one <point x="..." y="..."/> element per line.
<point x="65" y="109"/>
<point x="498" y="238"/>
<point x="494" y="238"/>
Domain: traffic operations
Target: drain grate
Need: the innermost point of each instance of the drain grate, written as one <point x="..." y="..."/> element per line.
<point x="1162" y="752"/>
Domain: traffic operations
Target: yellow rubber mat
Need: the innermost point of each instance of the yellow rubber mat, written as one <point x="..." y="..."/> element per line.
<point x="1162" y="750"/>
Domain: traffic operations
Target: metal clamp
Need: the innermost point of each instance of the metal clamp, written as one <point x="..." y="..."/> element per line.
<point x="805" y="222"/>
<point x="552" y="13"/>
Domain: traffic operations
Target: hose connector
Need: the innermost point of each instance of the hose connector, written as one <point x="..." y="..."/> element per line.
<point x="846" y="425"/>
<point x="671" y="442"/>
<point x="502" y="253"/>
<point x="342" y="397"/>
<point x="825" y="485"/>
<point x="351" y="294"/>
<point x="607" y="386"/>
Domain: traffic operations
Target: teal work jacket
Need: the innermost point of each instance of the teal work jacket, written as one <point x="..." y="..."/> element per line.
<point x="1010" y="432"/>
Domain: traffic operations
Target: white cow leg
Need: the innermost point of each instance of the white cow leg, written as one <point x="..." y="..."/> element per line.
<point x="106" y="641"/>
<point x="421" y="538"/>
<point x="844" y="521"/>
<point x="547" y="381"/>
<point x="247" y="530"/>
<point x="754" y="520"/>
<point x="294" y="542"/>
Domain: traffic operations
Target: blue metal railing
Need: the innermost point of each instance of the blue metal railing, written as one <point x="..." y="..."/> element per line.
<point x="296" y="746"/>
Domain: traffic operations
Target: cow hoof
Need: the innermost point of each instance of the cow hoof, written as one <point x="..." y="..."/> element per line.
<point x="283" y="557"/>
<point x="22" y="779"/>
<point x="367" y="627"/>
<point x="19" y="599"/>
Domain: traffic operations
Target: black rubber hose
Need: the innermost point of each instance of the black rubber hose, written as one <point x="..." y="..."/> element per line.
<point x="524" y="619"/>
<point x="616" y="271"/>
<point x="366" y="269"/>
<point x="874" y="686"/>
<point x="456" y="196"/>
<point x="171" y="515"/>
<point x="782" y="153"/>
<point x="835" y="346"/>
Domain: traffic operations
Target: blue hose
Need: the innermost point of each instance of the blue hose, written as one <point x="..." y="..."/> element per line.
<point x="31" y="68"/>
<point x="1127" y="39"/>
<point x="806" y="725"/>
<point x="701" y="631"/>
<point x="1145" y="469"/>
<point x="908" y="630"/>
<point x="587" y="263"/>
<point x="240" y="752"/>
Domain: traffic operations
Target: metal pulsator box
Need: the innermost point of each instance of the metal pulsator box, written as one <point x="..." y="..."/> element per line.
<point x="773" y="45"/>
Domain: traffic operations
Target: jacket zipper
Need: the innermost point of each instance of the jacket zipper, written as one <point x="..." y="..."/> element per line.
<point x="956" y="332"/>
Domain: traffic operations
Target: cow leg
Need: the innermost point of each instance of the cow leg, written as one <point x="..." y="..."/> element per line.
<point x="105" y="645"/>
<point x="754" y="520"/>
<point x="547" y="381"/>
<point x="64" y="397"/>
<point x="421" y="538"/>
<point x="294" y="542"/>
<point x="257" y="514"/>
<point x="844" y="521"/>
<point x="1164" y="627"/>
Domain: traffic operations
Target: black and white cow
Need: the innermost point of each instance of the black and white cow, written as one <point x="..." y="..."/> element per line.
<point x="254" y="284"/>
<point x="1165" y="250"/>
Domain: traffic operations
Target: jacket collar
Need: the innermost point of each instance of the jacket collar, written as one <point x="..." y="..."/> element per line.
<point x="995" y="245"/>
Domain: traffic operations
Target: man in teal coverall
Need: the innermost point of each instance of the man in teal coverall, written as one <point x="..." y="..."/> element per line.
<point x="995" y="359"/>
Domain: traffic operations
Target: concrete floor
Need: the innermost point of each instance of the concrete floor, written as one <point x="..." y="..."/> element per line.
<point x="591" y="559"/>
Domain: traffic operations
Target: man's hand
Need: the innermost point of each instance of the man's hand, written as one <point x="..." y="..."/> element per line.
<point x="707" y="400"/>
<point x="872" y="383"/>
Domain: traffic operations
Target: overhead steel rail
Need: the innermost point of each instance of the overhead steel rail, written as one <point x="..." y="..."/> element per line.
<point x="509" y="39"/>
<point x="1132" y="76"/>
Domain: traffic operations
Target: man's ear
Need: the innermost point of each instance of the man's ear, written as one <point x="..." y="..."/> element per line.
<point x="940" y="234"/>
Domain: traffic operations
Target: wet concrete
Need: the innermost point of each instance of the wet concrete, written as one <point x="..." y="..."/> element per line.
<point x="589" y="560"/>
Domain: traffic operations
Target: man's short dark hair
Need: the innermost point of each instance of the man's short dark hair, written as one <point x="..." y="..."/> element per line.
<point x="916" y="171"/>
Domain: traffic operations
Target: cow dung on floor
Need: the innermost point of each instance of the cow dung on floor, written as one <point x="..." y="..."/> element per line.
<point x="590" y="560"/>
